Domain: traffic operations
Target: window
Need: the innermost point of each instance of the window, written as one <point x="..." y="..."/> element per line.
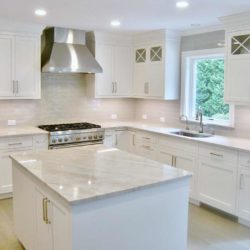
<point x="203" y="87"/>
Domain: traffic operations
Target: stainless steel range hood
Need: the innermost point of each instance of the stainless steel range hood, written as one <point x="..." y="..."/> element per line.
<point x="65" y="51"/>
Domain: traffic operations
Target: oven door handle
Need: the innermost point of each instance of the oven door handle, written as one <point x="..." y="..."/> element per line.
<point x="70" y="145"/>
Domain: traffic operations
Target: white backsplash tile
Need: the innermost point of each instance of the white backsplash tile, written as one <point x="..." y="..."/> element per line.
<point x="64" y="100"/>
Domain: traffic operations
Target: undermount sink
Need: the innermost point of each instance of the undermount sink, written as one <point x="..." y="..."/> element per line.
<point x="191" y="134"/>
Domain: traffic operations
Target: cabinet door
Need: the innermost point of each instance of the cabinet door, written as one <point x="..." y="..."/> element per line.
<point x="104" y="80"/>
<point x="188" y="163"/>
<point x="61" y="227"/>
<point x="217" y="184"/>
<point x="44" y="230"/>
<point x="122" y="70"/>
<point x="109" y="139"/>
<point x="121" y="140"/>
<point x="27" y="56"/>
<point x="140" y="86"/>
<point x="5" y="174"/>
<point x="156" y="72"/>
<point x="165" y="157"/>
<point x="7" y="88"/>
<point x="244" y="194"/>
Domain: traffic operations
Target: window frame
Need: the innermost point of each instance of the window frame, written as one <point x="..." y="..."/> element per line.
<point x="187" y="84"/>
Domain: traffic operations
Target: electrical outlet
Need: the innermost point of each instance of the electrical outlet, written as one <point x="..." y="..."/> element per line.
<point x="162" y="119"/>
<point x="11" y="122"/>
<point x="144" y="117"/>
<point x="114" y="116"/>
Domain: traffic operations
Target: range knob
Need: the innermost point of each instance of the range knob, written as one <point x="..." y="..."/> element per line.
<point x="78" y="138"/>
<point x="53" y="140"/>
<point x="84" y="138"/>
<point x="60" y="140"/>
<point x="100" y="136"/>
<point x="66" y="139"/>
<point x="95" y="136"/>
<point x="90" y="137"/>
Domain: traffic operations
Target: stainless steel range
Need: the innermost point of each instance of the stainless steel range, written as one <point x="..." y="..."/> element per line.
<point x="73" y="134"/>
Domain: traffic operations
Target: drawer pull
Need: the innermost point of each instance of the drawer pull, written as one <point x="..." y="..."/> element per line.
<point x="217" y="155"/>
<point x="146" y="138"/>
<point x="241" y="182"/>
<point x="15" y="144"/>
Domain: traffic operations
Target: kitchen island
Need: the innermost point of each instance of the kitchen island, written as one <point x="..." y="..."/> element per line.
<point x="98" y="198"/>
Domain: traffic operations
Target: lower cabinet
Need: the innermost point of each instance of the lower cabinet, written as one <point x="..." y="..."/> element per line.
<point x="217" y="180"/>
<point x="39" y="220"/>
<point x="244" y="194"/>
<point x="179" y="154"/>
<point x="11" y="145"/>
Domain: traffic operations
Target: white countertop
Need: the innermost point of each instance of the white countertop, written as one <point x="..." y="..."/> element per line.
<point x="6" y="131"/>
<point x="82" y="174"/>
<point x="226" y="141"/>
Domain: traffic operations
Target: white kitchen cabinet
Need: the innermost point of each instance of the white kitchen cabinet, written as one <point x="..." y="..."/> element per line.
<point x="244" y="186"/>
<point x="114" y="53"/>
<point x="6" y="66"/>
<point x="145" y="145"/>
<point x="156" y="65"/>
<point x="244" y="194"/>
<point x="119" y="138"/>
<point x="180" y="154"/>
<point x="116" y="79"/>
<point x="16" y="144"/>
<point x="40" y="222"/>
<point x="50" y="224"/>
<point x="217" y="178"/>
<point x="237" y="75"/>
<point x="20" y="67"/>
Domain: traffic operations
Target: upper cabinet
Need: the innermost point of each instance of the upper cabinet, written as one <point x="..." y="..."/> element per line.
<point x="19" y="66"/>
<point x="237" y="59"/>
<point x="156" y="63"/>
<point x="114" y="54"/>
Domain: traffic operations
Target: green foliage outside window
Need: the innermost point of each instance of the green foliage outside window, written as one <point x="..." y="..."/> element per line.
<point x="210" y="89"/>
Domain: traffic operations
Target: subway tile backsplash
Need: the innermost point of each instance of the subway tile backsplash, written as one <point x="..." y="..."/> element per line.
<point x="64" y="99"/>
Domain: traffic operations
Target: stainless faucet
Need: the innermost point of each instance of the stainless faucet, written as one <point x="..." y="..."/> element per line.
<point x="199" y="115"/>
<point x="186" y="119"/>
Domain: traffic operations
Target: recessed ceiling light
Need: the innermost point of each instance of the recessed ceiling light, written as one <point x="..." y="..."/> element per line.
<point x="182" y="4"/>
<point x="195" y="25"/>
<point x="40" y="12"/>
<point x="115" y="23"/>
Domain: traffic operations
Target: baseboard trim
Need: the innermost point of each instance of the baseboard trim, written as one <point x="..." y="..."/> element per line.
<point x="194" y="202"/>
<point x="6" y="196"/>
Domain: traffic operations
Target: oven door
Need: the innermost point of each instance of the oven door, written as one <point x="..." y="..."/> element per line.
<point x="80" y="144"/>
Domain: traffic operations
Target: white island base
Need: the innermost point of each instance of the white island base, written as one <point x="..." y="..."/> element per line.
<point x="154" y="217"/>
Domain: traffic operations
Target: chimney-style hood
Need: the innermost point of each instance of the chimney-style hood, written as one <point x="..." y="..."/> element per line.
<point x="65" y="51"/>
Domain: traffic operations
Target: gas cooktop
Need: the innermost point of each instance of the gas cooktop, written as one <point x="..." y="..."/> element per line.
<point x="68" y="126"/>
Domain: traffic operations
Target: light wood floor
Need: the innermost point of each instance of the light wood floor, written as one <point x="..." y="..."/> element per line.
<point x="208" y="230"/>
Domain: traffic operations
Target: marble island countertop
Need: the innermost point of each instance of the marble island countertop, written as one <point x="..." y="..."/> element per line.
<point x="82" y="174"/>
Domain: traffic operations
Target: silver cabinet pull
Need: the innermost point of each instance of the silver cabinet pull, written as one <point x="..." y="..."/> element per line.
<point x="17" y="86"/>
<point x="133" y="139"/>
<point x="14" y="86"/>
<point x="241" y="182"/>
<point x="116" y="140"/>
<point x="146" y="87"/>
<point x="15" y="144"/>
<point x="113" y="87"/>
<point x="217" y="155"/>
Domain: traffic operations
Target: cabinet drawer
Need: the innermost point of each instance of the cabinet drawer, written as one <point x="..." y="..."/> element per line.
<point x="177" y="144"/>
<point x="219" y="153"/>
<point x="145" y="138"/>
<point x="15" y="143"/>
<point x="244" y="159"/>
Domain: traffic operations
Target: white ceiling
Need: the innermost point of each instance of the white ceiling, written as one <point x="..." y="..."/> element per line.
<point x="135" y="15"/>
